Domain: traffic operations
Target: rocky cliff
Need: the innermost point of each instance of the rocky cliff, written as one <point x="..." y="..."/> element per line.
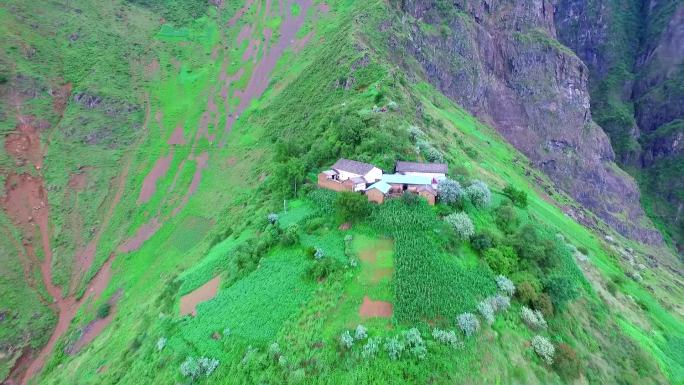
<point x="501" y="61"/>
<point x="635" y="52"/>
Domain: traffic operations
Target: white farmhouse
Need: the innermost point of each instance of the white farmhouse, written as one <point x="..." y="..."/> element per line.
<point x="434" y="171"/>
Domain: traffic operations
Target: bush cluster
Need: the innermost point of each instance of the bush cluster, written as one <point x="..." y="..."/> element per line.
<point x="486" y="311"/>
<point x="479" y="195"/>
<point x="450" y="192"/>
<point x="447" y="337"/>
<point x="201" y="367"/>
<point x="505" y="285"/>
<point x="544" y="348"/>
<point x="534" y="319"/>
<point x="518" y="197"/>
<point x="461" y="224"/>
<point x="468" y="323"/>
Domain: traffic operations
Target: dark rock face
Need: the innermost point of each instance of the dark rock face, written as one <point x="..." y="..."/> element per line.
<point x="635" y="54"/>
<point x="502" y="62"/>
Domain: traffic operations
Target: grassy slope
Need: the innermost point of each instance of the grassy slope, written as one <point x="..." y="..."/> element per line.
<point x="303" y="102"/>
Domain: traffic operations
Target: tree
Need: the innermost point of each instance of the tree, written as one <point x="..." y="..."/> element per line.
<point x="461" y="224"/>
<point x="507" y="219"/>
<point x="469" y="323"/>
<point x="501" y="259"/>
<point x="518" y="197"/>
<point x="566" y="362"/>
<point x="450" y="191"/>
<point x="561" y="289"/>
<point x="351" y="206"/>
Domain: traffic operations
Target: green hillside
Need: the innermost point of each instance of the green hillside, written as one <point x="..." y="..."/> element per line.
<point x="188" y="124"/>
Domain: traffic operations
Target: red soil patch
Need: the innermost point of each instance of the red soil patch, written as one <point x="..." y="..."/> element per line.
<point x="78" y="181"/>
<point x="60" y="98"/>
<point x="177" y="136"/>
<point x="300" y="43"/>
<point x="345" y="226"/>
<point x="144" y="233"/>
<point x="24" y="144"/>
<point x="323" y="7"/>
<point x="149" y="186"/>
<point x="153" y="68"/>
<point x="239" y="13"/>
<point x="370" y="308"/>
<point x="244" y="34"/>
<point x="189" y="302"/>
<point x="368" y="255"/>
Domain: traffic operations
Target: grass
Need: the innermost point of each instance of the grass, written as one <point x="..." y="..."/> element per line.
<point x="297" y="125"/>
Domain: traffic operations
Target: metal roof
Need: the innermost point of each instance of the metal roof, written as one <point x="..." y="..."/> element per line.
<point x="352" y="166"/>
<point x="381" y="185"/>
<point x="406" y="179"/>
<point x="435" y="168"/>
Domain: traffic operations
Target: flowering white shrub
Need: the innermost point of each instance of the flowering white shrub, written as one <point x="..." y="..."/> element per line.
<point x="486" y="311"/>
<point x="448" y="338"/>
<point x="195" y="368"/>
<point x="361" y="333"/>
<point x="272" y="218"/>
<point x="394" y="348"/>
<point x="500" y="303"/>
<point x="461" y="224"/>
<point x="415" y="343"/>
<point x="161" y="343"/>
<point x="370" y="349"/>
<point x="505" y="285"/>
<point x="533" y="318"/>
<point x="544" y="349"/>
<point x="346" y="340"/>
<point x="479" y="194"/>
<point x="319" y="254"/>
<point x="469" y="323"/>
<point x="274" y="350"/>
<point x="450" y="191"/>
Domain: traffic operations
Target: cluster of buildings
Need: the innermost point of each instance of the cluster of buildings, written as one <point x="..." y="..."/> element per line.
<point x="412" y="177"/>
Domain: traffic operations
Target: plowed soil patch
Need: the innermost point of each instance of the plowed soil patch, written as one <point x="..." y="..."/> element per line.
<point x="371" y="309"/>
<point x="189" y="302"/>
<point x="24" y="144"/>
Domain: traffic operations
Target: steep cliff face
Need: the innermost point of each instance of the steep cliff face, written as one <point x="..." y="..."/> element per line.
<point x="635" y="53"/>
<point x="502" y="62"/>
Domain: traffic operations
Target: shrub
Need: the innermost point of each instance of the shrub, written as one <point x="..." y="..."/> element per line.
<point x="544" y="304"/>
<point x="272" y="218"/>
<point x="487" y="311"/>
<point x="394" y="348"/>
<point x="565" y="361"/>
<point x="274" y="350"/>
<point x="526" y="293"/>
<point x="196" y="368"/>
<point x="501" y="259"/>
<point x="505" y="285"/>
<point x="507" y="219"/>
<point x="346" y="340"/>
<point x="104" y="310"/>
<point x="518" y="197"/>
<point x="479" y="194"/>
<point x="410" y="199"/>
<point x="448" y="338"/>
<point x="461" y="224"/>
<point x="415" y="133"/>
<point x="351" y="206"/>
<point x="161" y="343"/>
<point x="319" y="253"/>
<point x="611" y="287"/>
<point x="584" y="251"/>
<point x="482" y="241"/>
<point x="322" y="268"/>
<point x="290" y="235"/>
<point x="415" y="343"/>
<point x="432" y="154"/>
<point x="534" y="319"/>
<point x="370" y="349"/>
<point x="361" y="333"/>
<point x="450" y="191"/>
<point x="468" y="323"/>
<point x="544" y="349"/>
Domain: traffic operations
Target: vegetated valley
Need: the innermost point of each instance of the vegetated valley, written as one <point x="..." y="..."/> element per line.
<point x="168" y="214"/>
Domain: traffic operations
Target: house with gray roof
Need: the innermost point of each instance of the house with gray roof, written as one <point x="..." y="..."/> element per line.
<point x="435" y="171"/>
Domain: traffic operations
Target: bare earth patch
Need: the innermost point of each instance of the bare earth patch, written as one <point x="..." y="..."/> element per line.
<point x="371" y="309"/>
<point x="189" y="302"/>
